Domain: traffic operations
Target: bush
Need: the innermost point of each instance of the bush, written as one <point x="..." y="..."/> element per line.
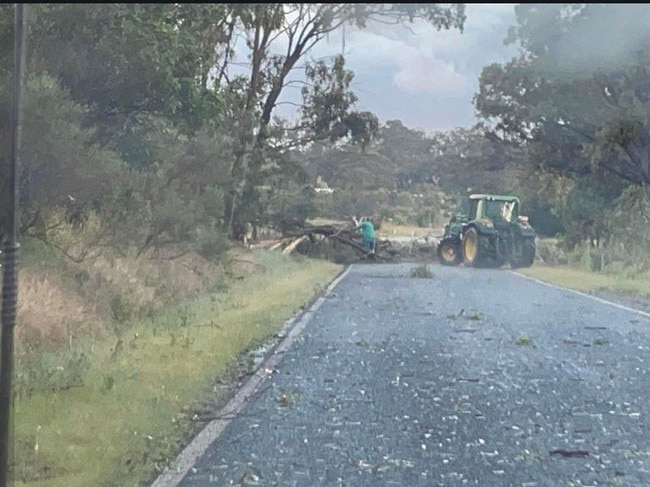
<point x="213" y="245"/>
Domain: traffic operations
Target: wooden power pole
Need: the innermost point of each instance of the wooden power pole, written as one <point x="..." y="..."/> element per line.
<point x="11" y="246"/>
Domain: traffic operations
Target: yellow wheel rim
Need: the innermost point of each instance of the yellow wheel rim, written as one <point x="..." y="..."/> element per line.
<point x="448" y="253"/>
<point x="471" y="246"/>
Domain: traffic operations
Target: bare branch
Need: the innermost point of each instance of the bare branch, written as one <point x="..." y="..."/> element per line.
<point x="298" y="105"/>
<point x="289" y="84"/>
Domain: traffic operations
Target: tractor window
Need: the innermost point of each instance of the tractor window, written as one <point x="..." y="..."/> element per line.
<point x="509" y="211"/>
<point x="463" y="206"/>
<point x="492" y="209"/>
<point x="473" y="209"/>
<point x="501" y="210"/>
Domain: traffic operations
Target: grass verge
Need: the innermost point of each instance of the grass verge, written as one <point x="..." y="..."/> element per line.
<point x="589" y="281"/>
<point x="124" y="417"/>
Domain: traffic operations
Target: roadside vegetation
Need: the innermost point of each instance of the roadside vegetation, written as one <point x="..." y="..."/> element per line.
<point x="151" y="154"/>
<point x="590" y="281"/>
<point x="152" y="157"/>
<point x="112" y="408"/>
<point x="586" y="269"/>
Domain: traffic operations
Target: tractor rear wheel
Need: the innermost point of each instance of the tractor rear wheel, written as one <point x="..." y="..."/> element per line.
<point x="449" y="252"/>
<point x="527" y="258"/>
<point x="472" y="252"/>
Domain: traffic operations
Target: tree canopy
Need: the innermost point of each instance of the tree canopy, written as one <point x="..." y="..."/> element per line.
<point x="576" y="98"/>
<point x="583" y="111"/>
<point x="144" y="116"/>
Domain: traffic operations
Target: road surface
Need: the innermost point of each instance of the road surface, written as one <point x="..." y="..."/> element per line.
<point x="473" y="377"/>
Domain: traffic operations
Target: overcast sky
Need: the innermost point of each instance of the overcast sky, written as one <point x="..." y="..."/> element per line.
<point x="418" y="75"/>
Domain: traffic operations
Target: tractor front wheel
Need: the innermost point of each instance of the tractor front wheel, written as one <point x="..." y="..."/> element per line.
<point x="472" y="254"/>
<point x="449" y="252"/>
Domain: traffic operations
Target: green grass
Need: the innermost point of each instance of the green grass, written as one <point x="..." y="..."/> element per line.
<point x="589" y="281"/>
<point x="126" y="416"/>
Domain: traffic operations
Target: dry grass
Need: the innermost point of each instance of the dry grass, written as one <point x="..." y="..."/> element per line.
<point x="389" y="230"/>
<point x="127" y="411"/>
<point x="61" y="301"/>
<point x="386" y="228"/>
<point x="48" y="316"/>
<point x="327" y="221"/>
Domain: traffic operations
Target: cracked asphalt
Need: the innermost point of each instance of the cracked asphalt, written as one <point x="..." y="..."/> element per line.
<point x="473" y="377"/>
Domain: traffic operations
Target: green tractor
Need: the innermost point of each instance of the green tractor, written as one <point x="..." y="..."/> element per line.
<point x="488" y="232"/>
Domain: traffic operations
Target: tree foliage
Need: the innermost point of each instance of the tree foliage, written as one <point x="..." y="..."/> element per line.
<point x="142" y="119"/>
<point x="576" y="99"/>
<point x="327" y="99"/>
<point x="302" y="26"/>
<point x="581" y="112"/>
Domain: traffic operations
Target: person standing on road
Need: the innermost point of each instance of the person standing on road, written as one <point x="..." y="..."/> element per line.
<point x="367" y="230"/>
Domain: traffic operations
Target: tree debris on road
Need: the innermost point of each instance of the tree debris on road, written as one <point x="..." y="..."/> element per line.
<point x="344" y="233"/>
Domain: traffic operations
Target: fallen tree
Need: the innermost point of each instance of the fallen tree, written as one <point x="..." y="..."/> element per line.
<point x="333" y="234"/>
<point x="340" y="241"/>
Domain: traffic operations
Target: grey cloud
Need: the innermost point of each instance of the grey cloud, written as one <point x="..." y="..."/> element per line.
<point x="612" y="35"/>
<point x="421" y="76"/>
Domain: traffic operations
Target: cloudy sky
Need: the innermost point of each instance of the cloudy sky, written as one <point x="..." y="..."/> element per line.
<point x="418" y="75"/>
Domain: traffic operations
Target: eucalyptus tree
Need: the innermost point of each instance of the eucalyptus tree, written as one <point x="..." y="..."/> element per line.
<point x="118" y="115"/>
<point x="577" y="98"/>
<point x="126" y="62"/>
<point x="578" y="92"/>
<point x="300" y="27"/>
<point x="146" y="76"/>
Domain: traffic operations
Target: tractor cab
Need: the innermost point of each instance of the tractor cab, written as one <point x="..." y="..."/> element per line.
<point x="493" y="208"/>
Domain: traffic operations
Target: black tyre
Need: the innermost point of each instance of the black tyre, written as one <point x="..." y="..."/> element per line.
<point x="472" y="248"/>
<point x="527" y="258"/>
<point x="449" y="252"/>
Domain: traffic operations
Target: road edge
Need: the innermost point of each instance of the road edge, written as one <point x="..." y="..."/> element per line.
<point x="583" y="294"/>
<point x="199" y="444"/>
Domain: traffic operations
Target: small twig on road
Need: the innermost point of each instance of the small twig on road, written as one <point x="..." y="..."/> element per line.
<point x="570" y="453"/>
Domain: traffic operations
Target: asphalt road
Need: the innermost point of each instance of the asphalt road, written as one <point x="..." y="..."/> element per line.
<point x="474" y="377"/>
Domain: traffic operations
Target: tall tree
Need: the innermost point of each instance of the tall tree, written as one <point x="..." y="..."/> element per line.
<point x="410" y="151"/>
<point x="146" y="75"/>
<point x="301" y="26"/>
<point x="577" y="99"/>
<point x="584" y="110"/>
<point x="128" y="61"/>
<point x="115" y="83"/>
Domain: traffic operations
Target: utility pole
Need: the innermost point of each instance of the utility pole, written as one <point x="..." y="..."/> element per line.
<point x="11" y="246"/>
